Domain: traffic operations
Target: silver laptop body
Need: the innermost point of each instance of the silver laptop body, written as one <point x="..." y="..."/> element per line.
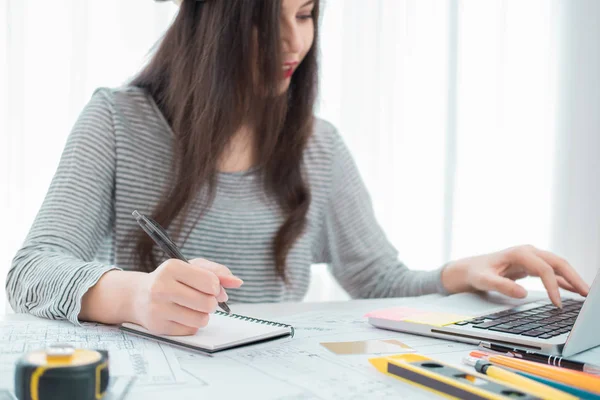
<point x="584" y="334"/>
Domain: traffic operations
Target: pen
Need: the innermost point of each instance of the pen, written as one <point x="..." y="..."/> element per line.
<point x="160" y="237"/>
<point x="542" y="358"/>
<point x="535" y="388"/>
<point x="578" y="379"/>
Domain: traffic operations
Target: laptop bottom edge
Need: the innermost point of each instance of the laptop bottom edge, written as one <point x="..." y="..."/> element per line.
<point x="470" y="337"/>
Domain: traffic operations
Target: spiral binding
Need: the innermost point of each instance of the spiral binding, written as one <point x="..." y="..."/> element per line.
<point x="256" y="320"/>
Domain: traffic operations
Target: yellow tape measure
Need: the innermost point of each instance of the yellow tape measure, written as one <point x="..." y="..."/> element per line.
<point x="62" y="372"/>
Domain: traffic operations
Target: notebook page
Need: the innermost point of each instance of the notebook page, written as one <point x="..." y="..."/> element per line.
<point x="223" y="332"/>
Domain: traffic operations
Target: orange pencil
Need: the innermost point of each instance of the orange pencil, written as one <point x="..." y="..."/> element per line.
<point x="574" y="378"/>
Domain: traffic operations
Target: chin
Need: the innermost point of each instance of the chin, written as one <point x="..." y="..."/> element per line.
<point x="285" y="85"/>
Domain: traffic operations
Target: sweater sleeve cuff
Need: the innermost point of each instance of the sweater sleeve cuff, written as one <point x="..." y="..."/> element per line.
<point x="439" y="285"/>
<point x="90" y="278"/>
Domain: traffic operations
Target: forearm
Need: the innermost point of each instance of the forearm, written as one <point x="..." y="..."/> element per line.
<point x="405" y="282"/>
<point x="377" y="281"/>
<point x="111" y="300"/>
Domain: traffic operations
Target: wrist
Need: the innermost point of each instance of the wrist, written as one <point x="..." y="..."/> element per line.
<point x="455" y="277"/>
<point x="111" y="299"/>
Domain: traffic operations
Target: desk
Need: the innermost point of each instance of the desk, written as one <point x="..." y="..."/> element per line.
<point x="298" y="368"/>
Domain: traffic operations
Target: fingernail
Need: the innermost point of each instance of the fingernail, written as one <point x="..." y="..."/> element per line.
<point x="586" y="290"/>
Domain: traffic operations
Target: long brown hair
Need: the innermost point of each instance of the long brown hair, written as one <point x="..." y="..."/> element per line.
<point x="218" y="67"/>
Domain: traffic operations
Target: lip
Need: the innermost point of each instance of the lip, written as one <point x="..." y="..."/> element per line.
<point x="290" y="67"/>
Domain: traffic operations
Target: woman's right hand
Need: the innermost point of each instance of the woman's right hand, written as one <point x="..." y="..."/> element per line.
<point x="177" y="297"/>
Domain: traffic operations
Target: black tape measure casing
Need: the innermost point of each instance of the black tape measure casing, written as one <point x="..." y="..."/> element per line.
<point x="62" y="373"/>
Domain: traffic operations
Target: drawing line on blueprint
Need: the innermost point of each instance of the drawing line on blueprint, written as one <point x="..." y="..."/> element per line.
<point x="148" y="360"/>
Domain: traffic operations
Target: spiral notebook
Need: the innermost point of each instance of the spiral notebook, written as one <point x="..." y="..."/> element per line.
<point x="224" y="331"/>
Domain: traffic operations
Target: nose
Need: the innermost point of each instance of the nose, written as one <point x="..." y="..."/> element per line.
<point x="292" y="39"/>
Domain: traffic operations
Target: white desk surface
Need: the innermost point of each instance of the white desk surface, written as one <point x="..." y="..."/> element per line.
<point x="293" y="368"/>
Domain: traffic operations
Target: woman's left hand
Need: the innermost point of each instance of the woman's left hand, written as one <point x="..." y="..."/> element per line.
<point x="498" y="271"/>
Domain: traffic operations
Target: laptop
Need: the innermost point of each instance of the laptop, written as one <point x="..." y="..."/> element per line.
<point x="533" y="323"/>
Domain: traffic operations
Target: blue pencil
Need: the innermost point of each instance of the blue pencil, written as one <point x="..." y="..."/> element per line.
<point x="584" y="394"/>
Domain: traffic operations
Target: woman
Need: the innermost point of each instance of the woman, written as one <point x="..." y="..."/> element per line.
<point x="216" y="140"/>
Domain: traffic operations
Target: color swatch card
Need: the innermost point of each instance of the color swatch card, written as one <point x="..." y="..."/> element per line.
<point x="436" y="318"/>
<point x="395" y="314"/>
<point x="417" y="316"/>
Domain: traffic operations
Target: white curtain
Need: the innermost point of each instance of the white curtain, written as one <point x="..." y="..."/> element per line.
<point x="454" y="111"/>
<point x="576" y="192"/>
<point x="53" y="54"/>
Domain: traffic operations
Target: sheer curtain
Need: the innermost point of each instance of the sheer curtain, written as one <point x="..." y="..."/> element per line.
<point x="451" y="108"/>
<point x="53" y="54"/>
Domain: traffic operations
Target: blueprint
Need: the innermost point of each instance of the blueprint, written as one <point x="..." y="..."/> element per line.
<point x="6" y="395"/>
<point x="285" y="369"/>
<point x="300" y="368"/>
<point x="149" y="362"/>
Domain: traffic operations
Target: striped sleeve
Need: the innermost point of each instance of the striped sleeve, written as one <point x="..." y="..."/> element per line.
<point x="55" y="267"/>
<point x="356" y="248"/>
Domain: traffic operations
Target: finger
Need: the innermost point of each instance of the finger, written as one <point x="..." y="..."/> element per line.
<point x="537" y="266"/>
<point x="175" y="329"/>
<point x="222" y="296"/>
<point x="230" y="281"/>
<point x="503" y="285"/>
<point x="216" y="268"/>
<point x="562" y="282"/>
<point x="226" y="278"/>
<point x="516" y="273"/>
<point x="566" y="270"/>
<point x="188" y="317"/>
<point x="195" y="277"/>
<point x="187" y="297"/>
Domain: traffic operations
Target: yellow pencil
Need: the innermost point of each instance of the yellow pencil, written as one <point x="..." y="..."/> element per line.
<point x="528" y="385"/>
<point x="574" y="378"/>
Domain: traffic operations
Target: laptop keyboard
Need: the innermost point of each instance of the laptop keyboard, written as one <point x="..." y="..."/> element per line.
<point x="540" y="319"/>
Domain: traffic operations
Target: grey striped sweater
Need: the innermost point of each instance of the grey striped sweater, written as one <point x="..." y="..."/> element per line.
<point x="116" y="160"/>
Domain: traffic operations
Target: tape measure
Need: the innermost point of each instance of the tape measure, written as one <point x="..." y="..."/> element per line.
<point x="62" y="372"/>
